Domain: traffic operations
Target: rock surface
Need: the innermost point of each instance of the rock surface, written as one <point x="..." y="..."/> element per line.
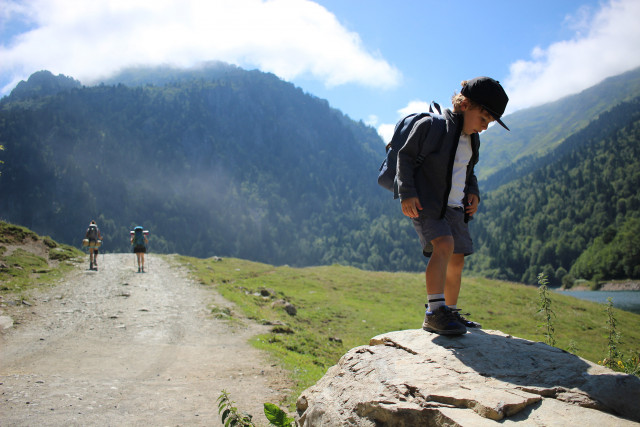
<point x="483" y="378"/>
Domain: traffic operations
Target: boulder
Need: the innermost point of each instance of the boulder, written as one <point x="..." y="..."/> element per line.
<point x="288" y="307"/>
<point x="482" y="378"/>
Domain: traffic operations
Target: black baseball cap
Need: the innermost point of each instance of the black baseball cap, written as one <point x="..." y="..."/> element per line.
<point x="489" y="94"/>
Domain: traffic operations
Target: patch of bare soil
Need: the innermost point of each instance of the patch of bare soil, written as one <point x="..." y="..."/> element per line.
<point x="121" y="348"/>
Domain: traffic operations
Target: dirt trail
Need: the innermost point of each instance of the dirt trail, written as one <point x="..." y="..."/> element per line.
<point x="119" y="348"/>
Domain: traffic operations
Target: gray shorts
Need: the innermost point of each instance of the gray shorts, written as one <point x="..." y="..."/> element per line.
<point x="451" y="225"/>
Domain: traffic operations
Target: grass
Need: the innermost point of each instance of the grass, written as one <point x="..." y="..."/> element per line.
<point x="340" y="307"/>
<point x="21" y="269"/>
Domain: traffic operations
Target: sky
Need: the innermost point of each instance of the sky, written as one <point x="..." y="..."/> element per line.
<point x="375" y="60"/>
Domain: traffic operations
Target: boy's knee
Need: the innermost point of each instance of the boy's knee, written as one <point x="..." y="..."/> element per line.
<point x="457" y="261"/>
<point x="443" y="245"/>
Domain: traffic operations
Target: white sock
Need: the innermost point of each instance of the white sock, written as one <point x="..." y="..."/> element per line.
<point x="435" y="301"/>
<point x="453" y="307"/>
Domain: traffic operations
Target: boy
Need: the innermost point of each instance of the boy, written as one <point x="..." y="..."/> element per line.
<point x="442" y="196"/>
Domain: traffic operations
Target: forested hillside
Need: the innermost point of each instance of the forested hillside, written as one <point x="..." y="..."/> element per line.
<point x="228" y="162"/>
<point x="577" y="216"/>
<point x="537" y="131"/>
<point x="224" y="161"/>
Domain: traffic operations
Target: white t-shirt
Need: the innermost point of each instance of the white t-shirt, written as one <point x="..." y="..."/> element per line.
<point x="459" y="175"/>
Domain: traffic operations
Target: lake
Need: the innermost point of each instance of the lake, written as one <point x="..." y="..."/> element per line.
<point x="624" y="300"/>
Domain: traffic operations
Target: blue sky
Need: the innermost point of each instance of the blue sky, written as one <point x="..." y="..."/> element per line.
<point x="373" y="59"/>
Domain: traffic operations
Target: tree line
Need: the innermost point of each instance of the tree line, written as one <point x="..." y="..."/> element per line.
<point x="572" y="217"/>
<point x="238" y="163"/>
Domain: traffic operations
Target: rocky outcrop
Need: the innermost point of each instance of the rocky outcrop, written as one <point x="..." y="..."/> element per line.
<point x="483" y="378"/>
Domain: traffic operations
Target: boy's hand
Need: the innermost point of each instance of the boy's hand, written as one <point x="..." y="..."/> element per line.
<point x="411" y="206"/>
<point x="472" y="204"/>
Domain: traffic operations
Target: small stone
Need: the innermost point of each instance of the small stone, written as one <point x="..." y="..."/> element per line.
<point x="6" y="322"/>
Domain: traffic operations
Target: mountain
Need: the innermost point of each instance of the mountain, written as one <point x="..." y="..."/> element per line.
<point x="42" y="84"/>
<point x="223" y="161"/>
<point x="537" y="131"/>
<point x="218" y="161"/>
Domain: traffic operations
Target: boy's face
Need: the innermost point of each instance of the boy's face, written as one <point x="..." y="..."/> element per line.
<point x="475" y="119"/>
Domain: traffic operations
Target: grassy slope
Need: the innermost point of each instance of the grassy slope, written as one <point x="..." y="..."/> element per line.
<point x="25" y="268"/>
<point x="342" y="307"/>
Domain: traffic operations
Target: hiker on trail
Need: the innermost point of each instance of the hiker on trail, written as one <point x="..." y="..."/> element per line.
<point x="93" y="239"/>
<point x="442" y="195"/>
<point x="139" y="241"/>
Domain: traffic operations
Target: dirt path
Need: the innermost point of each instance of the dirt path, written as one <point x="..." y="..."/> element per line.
<point x="118" y="348"/>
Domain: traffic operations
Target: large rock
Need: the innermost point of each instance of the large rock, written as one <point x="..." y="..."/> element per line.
<point x="483" y="378"/>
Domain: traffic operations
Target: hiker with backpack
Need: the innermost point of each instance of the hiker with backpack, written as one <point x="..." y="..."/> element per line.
<point x="93" y="239"/>
<point x="438" y="190"/>
<point x="139" y="242"/>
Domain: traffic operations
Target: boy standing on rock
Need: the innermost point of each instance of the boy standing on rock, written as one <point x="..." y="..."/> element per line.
<point x="442" y="195"/>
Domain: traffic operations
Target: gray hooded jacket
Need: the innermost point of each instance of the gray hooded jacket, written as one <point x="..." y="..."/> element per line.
<point x="431" y="183"/>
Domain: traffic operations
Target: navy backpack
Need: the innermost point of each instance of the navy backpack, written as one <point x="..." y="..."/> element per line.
<point x="387" y="175"/>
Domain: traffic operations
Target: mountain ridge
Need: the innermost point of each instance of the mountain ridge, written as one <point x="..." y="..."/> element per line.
<point x="224" y="161"/>
<point x="538" y="130"/>
<point x="236" y="151"/>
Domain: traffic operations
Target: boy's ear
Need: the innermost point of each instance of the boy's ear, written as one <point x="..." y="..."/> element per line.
<point x="464" y="105"/>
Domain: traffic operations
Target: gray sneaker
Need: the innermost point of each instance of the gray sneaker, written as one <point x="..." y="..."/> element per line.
<point x="466" y="322"/>
<point x="443" y="321"/>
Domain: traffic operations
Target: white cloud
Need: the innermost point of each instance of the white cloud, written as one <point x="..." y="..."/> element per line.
<point x="371" y="120"/>
<point x="91" y="39"/>
<point x="605" y="43"/>
<point x="415" y="106"/>
<point x="386" y="132"/>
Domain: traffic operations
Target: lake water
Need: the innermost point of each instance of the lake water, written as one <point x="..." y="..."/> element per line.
<point x="624" y="300"/>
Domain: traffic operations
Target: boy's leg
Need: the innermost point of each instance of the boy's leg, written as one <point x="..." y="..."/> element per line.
<point x="436" y="273"/>
<point x="439" y="318"/>
<point x="452" y="289"/>
<point x="438" y="245"/>
<point x="454" y="278"/>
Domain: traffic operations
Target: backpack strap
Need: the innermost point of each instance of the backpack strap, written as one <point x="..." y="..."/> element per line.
<point x="434" y="108"/>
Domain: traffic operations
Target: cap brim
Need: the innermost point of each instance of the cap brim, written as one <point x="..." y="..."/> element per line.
<point x="496" y="117"/>
<point x="503" y="125"/>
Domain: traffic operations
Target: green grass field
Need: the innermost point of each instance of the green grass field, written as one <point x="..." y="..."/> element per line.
<point x="339" y="308"/>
